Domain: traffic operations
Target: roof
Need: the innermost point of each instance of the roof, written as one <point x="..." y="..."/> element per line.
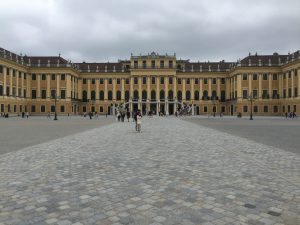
<point x="101" y="67"/>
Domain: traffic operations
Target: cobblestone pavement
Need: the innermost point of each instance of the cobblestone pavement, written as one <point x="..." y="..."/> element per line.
<point x="174" y="172"/>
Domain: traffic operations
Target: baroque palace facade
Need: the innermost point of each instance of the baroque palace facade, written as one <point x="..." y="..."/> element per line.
<point x="160" y="83"/>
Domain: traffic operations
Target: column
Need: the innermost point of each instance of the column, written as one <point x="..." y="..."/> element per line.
<point x="209" y="87"/>
<point x="131" y="88"/>
<point x="259" y="86"/>
<point x="227" y="88"/>
<point x="79" y="88"/>
<point x="38" y="80"/>
<point x="175" y="95"/>
<point x="140" y="88"/>
<point x="148" y="89"/>
<point x="270" y="85"/>
<point x="157" y="88"/>
<point x="192" y="89"/>
<point x="183" y="90"/>
<point x="239" y="86"/>
<point x="4" y="80"/>
<point x="17" y="83"/>
<point x="123" y="89"/>
<point x="250" y="85"/>
<point x="201" y="88"/>
<point x="22" y="84"/>
<point x="298" y="82"/>
<point x="28" y="89"/>
<point x="219" y="88"/>
<point x="89" y="89"/>
<point x="10" y="82"/>
<point x="114" y="88"/>
<point x="105" y="89"/>
<point x="69" y="86"/>
<point x="280" y="85"/>
<point x="57" y="85"/>
<point x="287" y="85"/>
<point x="48" y="86"/>
<point x="166" y="95"/>
<point x="292" y="76"/>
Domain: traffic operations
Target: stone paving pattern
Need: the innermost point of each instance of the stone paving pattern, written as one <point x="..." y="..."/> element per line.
<point x="174" y="172"/>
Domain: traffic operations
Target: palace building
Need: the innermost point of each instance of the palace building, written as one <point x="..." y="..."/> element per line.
<point x="161" y="83"/>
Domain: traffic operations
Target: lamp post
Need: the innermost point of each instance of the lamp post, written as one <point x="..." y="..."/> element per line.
<point x="250" y="98"/>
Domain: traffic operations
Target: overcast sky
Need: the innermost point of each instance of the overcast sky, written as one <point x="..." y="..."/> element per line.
<point x="108" y="30"/>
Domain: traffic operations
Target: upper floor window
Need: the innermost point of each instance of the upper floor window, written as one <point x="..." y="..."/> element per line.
<point x="144" y="64"/>
<point x="43" y="76"/>
<point x="170" y="80"/>
<point x="84" y="81"/>
<point x="144" y="80"/>
<point x="109" y="81"/>
<point x="93" y="81"/>
<point x="265" y="76"/>
<point x="118" y="81"/>
<point x="33" y="76"/>
<point x="254" y="76"/>
<point x="245" y="76"/>
<point x="222" y="80"/>
<point x="274" y="76"/>
<point x="62" y="77"/>
<point x="188" y="81"/>
<point x="53" y="77"/>
<point x="170" y="64"/>
<point x="179" y="80"/>
<point x="214" y="80"/>
<point x="205" y="80"/>
<point x="135" y="64"/>
<point x="153" y="63"/>
<point x="162" y="80"/>
<point x="135" y="80"/>
<point x="162" y="64"/>
<point x="101" y="81"/>
<point x="196" y="80"/>
<point x="153" y="80"/>
<point x="127" y="81"/>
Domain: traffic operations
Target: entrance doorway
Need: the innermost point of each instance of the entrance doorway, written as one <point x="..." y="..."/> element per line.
<point x="171" y="108"/>
<point x="231" y="110"/>
<point x="144" y="109"/>
<point x="135" y="107"/>
<point x="153" y="107"/>
<point x="197" y="110"/>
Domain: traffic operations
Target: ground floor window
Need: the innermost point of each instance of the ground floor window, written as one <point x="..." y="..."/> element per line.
<point x="52" y="108"/>
<point x="62" y="108"/>
<point x="101" y="109"/>
<point x="266" y="108"/>
<point x="83" y="108"/>
<point x="275" y="109"/>
<point x="2" y="107"/>
<point x="43" y="108"/>
<point x="15" y="108"/>
<point x="33" y="108"/>
<point x="255" y="109"/>
<point x="21" y="107"/>
<point x="223" y="109"/>
<point x="205" y="108"/>
<point x="283" y="108"/>
<point x="245" y="108"/>
<point x="295" y="108"/>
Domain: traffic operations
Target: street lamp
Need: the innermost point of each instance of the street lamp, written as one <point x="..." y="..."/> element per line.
<point x="250" y="98"/>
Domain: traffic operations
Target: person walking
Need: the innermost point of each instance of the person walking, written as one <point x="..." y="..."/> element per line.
<point x="139" y="122"/>
<point x="128" y="115"/>
<point x="27" y="114"/>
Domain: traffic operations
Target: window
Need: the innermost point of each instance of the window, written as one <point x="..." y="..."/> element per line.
<point x="62" y="94"/>
<point x="14" y="72"/>
<point x="275" y="109"/>
<point x="274" y="76"/>
<point x="245" y="108"/>
<point x="275" y="94"/>
<point x="135" y="80"/>
<point x="295" y="92"/>
<point x="162" y="80"/>
<point x="222" y="80"/>
<point x="179" y="80"/>
<point x="127" y="81"/>
<point x="84" y="96"/>
<point x="188" y="95"/>
<point x="196" y="94"/>
<point x="266" y="109"/>
<point x="179" y="95"/>
<point x="162" y="95"/>
<point x="196" y="81"/>
<point x="153" y="64"/>
<point x="205" y="109"/>
<point x="214" y="80"/>
<point x="153" y="95"/>
<point x="53" y="77"/>
<point x="135" y="95"/>
<point x="118" y="95"/>
<point x="20" y="74"/>
<point x="83" y="81"/>
<point x="93" y="81"/>
<point x="265" y="94"/>
<point x="284" y="76"/>
<point x="1" y="90"/>
<point x="109" y="81"/>
<point x="83" y="108"/>
<point x="188" y="81"/>
<point x="101" y="81"/>
<point x="254" y="76"/>
<point x="162" y="63"/>
<point x="255" y="109"/>
<point x="170" y="64"/>
<point x="110" y="95"/>
<point x="135" y="64"/>
<point x="284" y="93"/>
<point x="101" y="95"/>
<point x="126" y="95"/>
<point x="62" y="77"/>
<point x="43" y="76"/>
<point x="118" y="81"/>
<point x="153" y="80"/>
<point x="205" y="80"/>
<point x="290" y="92"/>
<point x="44" y="94"/>
<point x="170" y="80"/>
<point x="101" y="109"/>
<point x="1" y="69"/>
<point x="62" y="108"/>
<point x="245" y="76"/>
<point x="144" y="80"/>
<point x="296" y="72"/>
<point x="245" y="94"/>
<point x="265" y="76"/>
<point x="144" y="95"/>
<point x="170" y="95"/>
<point x="43" y="108"/>
<point x="25" y="76"/>
<point x="52" y="108"/>
<point x="33" y="108"/>
<point x="33" y="94"/>
<point x="290" y="74"/>
<point x="53" y="93"/>
<point x="33" y="76"/>
<point x="144" y="64"/>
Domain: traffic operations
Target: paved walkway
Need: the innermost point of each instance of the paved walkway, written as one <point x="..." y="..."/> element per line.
<point x="174" y="172"/>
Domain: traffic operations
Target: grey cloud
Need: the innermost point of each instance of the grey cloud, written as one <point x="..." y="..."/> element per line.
<point x="96" y="30"/>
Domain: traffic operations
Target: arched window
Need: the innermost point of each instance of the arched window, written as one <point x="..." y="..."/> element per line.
<point x="135" y="95"/>
<point x="223" y="96"/>
<point x="153" y="95"/>
<point x="162" y="94"/>
<point x="101" y="95"/>
<point x="144" y="95"/>
<point x="179" y="95"/>
<point x="170" y="95"/>
<point x="126" y="95"/>
<point x="118" y="95"/>
<point x="196" y="95"/>
<point x="84" y="96"/>
<point x="205" y="95"/>
<point x="214" y="95"/>
<point x="110" y="95"/>
<point x="188" y="95"/>
<point x="93" y="95"/>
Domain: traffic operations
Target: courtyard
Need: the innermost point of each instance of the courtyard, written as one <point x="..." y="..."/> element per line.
<point x="177" y="171"/>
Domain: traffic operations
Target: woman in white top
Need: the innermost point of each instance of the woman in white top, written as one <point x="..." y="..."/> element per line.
<point x="139" y="122"/>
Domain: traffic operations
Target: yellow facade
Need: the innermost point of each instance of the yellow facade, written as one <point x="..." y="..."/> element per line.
<point x="159" y="83"/>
